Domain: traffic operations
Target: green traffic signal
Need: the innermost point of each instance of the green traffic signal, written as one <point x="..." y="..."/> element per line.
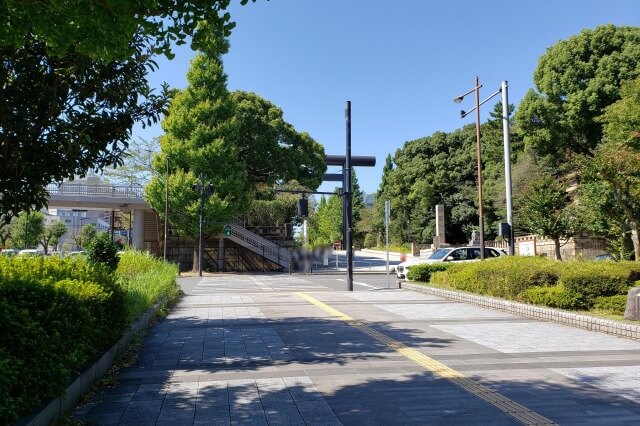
<point x="227" y="231"/>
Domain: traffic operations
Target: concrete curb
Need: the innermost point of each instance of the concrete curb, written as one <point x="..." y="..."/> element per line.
<point x="58" y="407"/>
<point x="586" y="322"/>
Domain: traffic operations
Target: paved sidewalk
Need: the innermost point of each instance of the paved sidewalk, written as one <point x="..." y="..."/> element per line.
<point x="275" y="349"/>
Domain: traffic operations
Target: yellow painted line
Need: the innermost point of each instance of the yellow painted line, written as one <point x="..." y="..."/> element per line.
<point x="506" y="405"/>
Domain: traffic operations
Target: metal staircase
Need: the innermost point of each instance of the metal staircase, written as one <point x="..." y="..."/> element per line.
<point x="267" y="249"/>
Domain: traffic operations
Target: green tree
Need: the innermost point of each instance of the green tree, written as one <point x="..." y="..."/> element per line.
<point x="545" y="209"/>
<point x="5" y="234"/>
<point x="275" y="208"/>
<point x="26" y="229"/>
<point x="200" y="137"/>
<point x="78" y="110"/>
<point x="271" y="149"/>
<point x="576" y="79"/>
<point x="136" y="168"/>
<point x="104" y="30"/>
<point x="325" y="224"/>
<point x="615" y="167"/>
<point x="84" y="237"/>
<point x="51" y="235"/>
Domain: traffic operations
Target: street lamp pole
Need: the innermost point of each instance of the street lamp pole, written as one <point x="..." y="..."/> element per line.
<point x="204" y="190"/>
<point x="479" y="158"/>
<point x="507" y="163"/>
<point x="201" y="238"/>
<point x="166" y="210"/>
<point x="507" y="157"/>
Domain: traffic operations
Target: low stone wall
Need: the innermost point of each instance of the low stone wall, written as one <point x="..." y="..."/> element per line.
<point x="616" y="328"/>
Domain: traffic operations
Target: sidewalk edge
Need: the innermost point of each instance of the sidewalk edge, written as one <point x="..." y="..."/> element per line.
<point x="616" y="328"/>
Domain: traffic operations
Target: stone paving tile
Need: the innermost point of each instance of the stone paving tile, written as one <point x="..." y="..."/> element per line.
<point x="269" y="358"/>
<point x="537" y="337"/>
<point x="623" y="381"/>
<point x="420" y="311"/>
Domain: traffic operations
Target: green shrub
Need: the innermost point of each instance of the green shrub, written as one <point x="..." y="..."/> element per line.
<point x="503" y="277"/>
<point x="614" y="305"/>
<point x="369" y="241"/>
<point x="102" y="250"/>
<point x="57" y="314"/>
<point x="423" y="272"/>
<point x="555" y="297"/>
<point x="594" y="279"/>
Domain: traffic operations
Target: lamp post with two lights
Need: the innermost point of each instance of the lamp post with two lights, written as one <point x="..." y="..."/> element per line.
<point x="507" y="157"/>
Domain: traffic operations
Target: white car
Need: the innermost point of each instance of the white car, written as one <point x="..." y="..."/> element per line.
<point x="450" y="254"/>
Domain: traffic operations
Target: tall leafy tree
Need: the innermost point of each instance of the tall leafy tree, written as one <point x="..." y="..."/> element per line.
<point x="576" y="79"/>
<point x="545" y="209"/>
<point x="136" y="168"/>
<point x="5" y="234"/>
<point x="200" y="138"/>
<point x="84" y="236"/>
<point x="26" y="229"/>
<point x="78" y="110"/>
<point x="271" y="149"/>
<point x="104" y="30"/>
<point x="51" y="235"/>
<point x="615" y="165"/>
<point x="325" y="225"/>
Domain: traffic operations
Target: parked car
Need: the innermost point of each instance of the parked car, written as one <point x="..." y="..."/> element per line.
<point x="450" y="254"/>
<point x="30" y="252"/>
<point x="9" y="252"/>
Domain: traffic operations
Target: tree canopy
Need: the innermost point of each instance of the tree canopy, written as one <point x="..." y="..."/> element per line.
<point x="272" y="150"/>
<point x="576" y="79"/>
<point x="77" y="110"/>
<point x="104" y="30"/>
<point x="200" y="138"/>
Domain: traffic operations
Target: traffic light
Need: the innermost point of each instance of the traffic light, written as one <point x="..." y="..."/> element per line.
<point x="227" y="231"/>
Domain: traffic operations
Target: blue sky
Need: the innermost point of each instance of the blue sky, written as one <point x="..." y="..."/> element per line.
<point x="400" y="63"/>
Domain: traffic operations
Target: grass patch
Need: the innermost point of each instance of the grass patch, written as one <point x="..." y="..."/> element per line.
<point x="145" y="280"/>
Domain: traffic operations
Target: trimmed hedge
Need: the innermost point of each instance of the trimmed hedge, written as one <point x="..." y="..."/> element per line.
<point x="554" y="297"/>
<point x="424" y="271"/>
<point x="614" y="305"/>
<point x="56" y="315"/>
<point x="502" y="277"/>
<point x="567" y="285"/>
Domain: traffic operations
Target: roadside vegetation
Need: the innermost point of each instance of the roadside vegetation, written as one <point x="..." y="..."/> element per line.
<point x="57" y="315"/>
<point x="596" y="287"/>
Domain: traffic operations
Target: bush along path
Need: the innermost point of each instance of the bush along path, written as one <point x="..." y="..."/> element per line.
<point x="58" y="315"/>
<point x="594" y="287"/>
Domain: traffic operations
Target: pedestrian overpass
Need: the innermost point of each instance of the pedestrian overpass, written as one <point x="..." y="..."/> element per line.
<point x="146" y="232"/>
<point x="68" y="195"/>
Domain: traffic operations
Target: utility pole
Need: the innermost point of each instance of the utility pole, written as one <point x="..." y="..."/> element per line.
<point x="166" y="210"/>
<point x="348" y="198"/>
<point x="387" y="217"/>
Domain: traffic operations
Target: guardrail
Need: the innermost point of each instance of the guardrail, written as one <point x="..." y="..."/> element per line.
<point x="114" y="191"/>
